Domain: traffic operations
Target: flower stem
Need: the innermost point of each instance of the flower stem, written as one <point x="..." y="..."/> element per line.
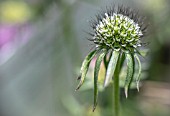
<point x="116" y="87"/>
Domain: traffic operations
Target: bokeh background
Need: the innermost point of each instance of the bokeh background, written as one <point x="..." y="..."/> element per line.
<point x="43" y="43"/>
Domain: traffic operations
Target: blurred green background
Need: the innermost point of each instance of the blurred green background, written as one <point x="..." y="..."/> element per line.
<point x="43" y="43"/>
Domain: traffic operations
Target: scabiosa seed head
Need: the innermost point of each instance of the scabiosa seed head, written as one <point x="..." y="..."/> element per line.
<point x="119" y="29"/>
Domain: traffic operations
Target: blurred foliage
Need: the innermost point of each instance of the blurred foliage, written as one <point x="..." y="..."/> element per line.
<point x="12" y="11"/>
<point x="39" y="77"/>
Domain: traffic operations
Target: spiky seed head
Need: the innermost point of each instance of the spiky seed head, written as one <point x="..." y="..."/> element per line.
<point x="120" y="30"/>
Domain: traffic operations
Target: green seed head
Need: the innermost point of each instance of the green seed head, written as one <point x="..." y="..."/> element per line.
<point x="120" y="30"/>
<point x="117" y="32"/>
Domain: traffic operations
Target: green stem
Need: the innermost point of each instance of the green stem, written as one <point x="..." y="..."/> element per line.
<point x="116" y="87"/>
<point x="116" y="95"/>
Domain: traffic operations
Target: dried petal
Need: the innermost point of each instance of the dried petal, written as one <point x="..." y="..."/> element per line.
<point x="96" y="71"/>
<point x="85" y="67"/>
<point x="130" y="72"/>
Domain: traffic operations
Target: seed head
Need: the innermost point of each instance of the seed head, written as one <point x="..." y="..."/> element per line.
<point x="119" y="29"/>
